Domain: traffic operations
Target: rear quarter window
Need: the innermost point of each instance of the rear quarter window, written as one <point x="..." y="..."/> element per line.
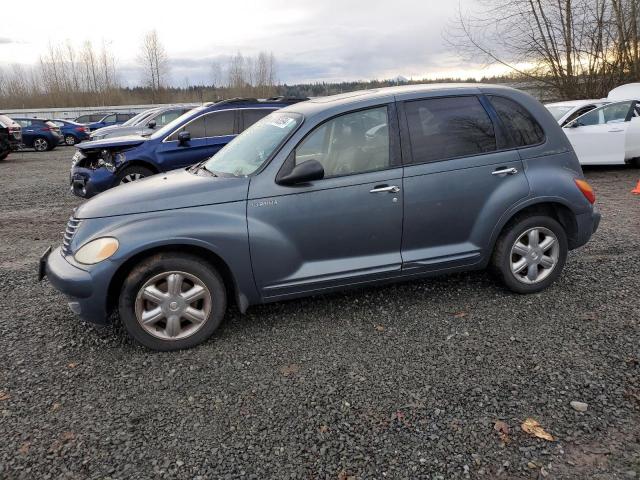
<point x="522" y="128"/>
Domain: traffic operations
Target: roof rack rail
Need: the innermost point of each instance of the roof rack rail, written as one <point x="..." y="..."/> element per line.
<point x="284" y="98"/>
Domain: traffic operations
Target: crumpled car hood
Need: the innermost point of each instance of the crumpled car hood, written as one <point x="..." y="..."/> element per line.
<point x="108" y="143"/>
<point x="165" y="191"/>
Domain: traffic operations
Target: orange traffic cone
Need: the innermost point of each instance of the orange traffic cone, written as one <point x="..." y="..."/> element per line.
<point x="636" y="191"/>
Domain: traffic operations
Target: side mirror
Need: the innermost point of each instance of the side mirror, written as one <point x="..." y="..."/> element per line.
<point x="152" y="124"/>
<point x="184" y="137"/>
<point x="305" y="172"/>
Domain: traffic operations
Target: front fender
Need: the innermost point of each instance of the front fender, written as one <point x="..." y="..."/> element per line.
<point x="220" y="229"/>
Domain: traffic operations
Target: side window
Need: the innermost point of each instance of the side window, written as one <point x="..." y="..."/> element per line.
<point x="166" y="117"/>
<point x="24" y="123"/>
<point x="82" y="119"/>
<point x="123" y="117"/>
<point x="442" y="128"/>
<point x="577" y="113"/>
<point x="523" y="129"/>
<point x="251" y="116"/>
<point x="110" y="118"/>
<point x="96" y="118"/>
<point x="195" y="128"/>
<point x="220" y="123"/>
<point x="612" y="113"/>
<point x="353" y="143"/>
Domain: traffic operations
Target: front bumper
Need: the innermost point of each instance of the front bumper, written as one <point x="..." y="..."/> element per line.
<point x="86" y="291"/>
<point x="87" y="182"/>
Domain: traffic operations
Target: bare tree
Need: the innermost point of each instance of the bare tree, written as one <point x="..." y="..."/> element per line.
<point x="154" y="61"/>
<point x="578" y="48"/>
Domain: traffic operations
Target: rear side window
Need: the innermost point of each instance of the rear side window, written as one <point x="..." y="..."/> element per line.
<point x="123" y="117"/>
<point x="220" y="123"/>
<point x="523" y="129"/>
<point x="249" y="117"/>
<point x="442" y="128"/>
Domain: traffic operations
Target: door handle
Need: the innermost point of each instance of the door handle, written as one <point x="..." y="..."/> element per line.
<point x="505" y="171"/>
<point x="617" y="130"/>
<point x="385" y="189"/>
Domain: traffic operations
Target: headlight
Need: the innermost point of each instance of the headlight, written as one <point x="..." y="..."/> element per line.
<point x="96" y="251"/>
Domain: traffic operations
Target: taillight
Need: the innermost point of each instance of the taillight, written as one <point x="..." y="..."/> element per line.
<point x="81" y="129"/>
<point x="586" y="190"/>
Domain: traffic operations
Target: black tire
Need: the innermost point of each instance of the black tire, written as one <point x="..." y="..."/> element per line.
<point x="502" y="258"/>
<point x="635" y="162"/>
<point x="41" y="144"/>
<point x="159" y="265"/>
<point x="4" y="155"/>
<point x="133" y="173"/>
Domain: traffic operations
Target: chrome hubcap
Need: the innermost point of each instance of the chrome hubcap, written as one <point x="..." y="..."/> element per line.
<point x="534" y="255"/>
<point x="40" y="144"/>
<point x="173" y="305"/>
<point x="132" y="177"/>
<point x="70" y="140"/>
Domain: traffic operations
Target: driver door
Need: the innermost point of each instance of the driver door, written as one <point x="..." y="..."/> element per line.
<point x="599" y="137"/>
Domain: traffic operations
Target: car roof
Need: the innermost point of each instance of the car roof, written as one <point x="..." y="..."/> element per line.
<point x="389" y="94"/>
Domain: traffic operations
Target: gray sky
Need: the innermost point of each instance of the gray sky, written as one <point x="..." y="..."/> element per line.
<point x="312" y="40"/>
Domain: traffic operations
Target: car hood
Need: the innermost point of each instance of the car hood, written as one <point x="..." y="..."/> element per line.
<point x="118" y="142"/>
<point x="128" y="131"/>
<point x="105" y="129"/>
<point x="165" y="191"/>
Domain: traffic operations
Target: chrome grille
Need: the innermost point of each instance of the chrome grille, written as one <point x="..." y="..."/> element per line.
<point x="72" y="226"/>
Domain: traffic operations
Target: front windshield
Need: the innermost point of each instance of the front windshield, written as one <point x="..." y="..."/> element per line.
<point x="558" y="111"/>
<point x="137" y="118"/>
<point x="254" y="146"/>
<point x="171" y="126"/>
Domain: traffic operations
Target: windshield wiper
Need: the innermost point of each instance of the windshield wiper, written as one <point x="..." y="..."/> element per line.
<point x="199" y="167"/>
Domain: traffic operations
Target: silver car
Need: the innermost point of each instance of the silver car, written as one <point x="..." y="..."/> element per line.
<point x="143" y="124"/>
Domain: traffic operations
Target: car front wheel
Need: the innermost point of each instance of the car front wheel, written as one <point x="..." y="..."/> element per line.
<point x="70" y="140"/>
<point x="40" y="145"/>
<point x="131" y="174"/>
<point x="530" y="253"/>
<point x="172" y="301"/>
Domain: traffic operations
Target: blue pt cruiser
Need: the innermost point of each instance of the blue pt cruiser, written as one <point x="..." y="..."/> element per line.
<point x="366" y="187"/>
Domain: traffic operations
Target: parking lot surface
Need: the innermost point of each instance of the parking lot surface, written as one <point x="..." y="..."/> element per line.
<point x="427" y="379"/>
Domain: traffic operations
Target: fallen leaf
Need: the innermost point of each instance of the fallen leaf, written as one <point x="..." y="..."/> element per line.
<point x="290" y="369"/>
<point x="344" y="475"/>
<point x="24" y="448"/>
<point x="67" y="436"/>
<point x="533" y="428"/>
<point x="72" y="365"/>
<point x="460" y="314"/>
<point x="55" y="406"/>
<point x="380" y="328"/>
<point x="4" y="395"/>
<point x="323" y="429"/>
<point x="503" y="430"/>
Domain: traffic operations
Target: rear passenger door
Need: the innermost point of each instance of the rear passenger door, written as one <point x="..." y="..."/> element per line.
<point x="462" y="173"/>
<point x="249" y="116"/>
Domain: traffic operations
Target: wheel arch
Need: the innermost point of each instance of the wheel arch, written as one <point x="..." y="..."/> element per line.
<point x="210" y="257"/>
<point x="139" y="163"/>
<point x="553" y="208"/>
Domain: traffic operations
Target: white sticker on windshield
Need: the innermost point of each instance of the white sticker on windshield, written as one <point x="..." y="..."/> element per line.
<point x="282" y="122"/>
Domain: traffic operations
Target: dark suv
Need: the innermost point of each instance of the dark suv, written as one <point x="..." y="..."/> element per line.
<point x="365" y="187"/>
<point x="188" y="139"/>
<point x="10" y="136"/>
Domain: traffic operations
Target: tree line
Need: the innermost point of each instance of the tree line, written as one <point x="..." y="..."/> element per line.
<point x="574" y="48"/>
<point x="71" y="75"/>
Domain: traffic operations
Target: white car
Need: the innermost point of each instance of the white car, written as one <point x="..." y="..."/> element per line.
<point x="607" y="135"/>
<point x="566" y="112"/>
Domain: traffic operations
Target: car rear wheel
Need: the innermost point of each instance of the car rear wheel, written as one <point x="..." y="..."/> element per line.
<point x="530" y="253"/>
<point x="4" y="155"/>
<point x="172" y="301"/>
<point x="40" y="144"/>
<point x="131" y="174"/>
<point x="70" y="140"/>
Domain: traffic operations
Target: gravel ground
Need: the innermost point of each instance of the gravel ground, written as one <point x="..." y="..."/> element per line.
<point x="428" y="379"/>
